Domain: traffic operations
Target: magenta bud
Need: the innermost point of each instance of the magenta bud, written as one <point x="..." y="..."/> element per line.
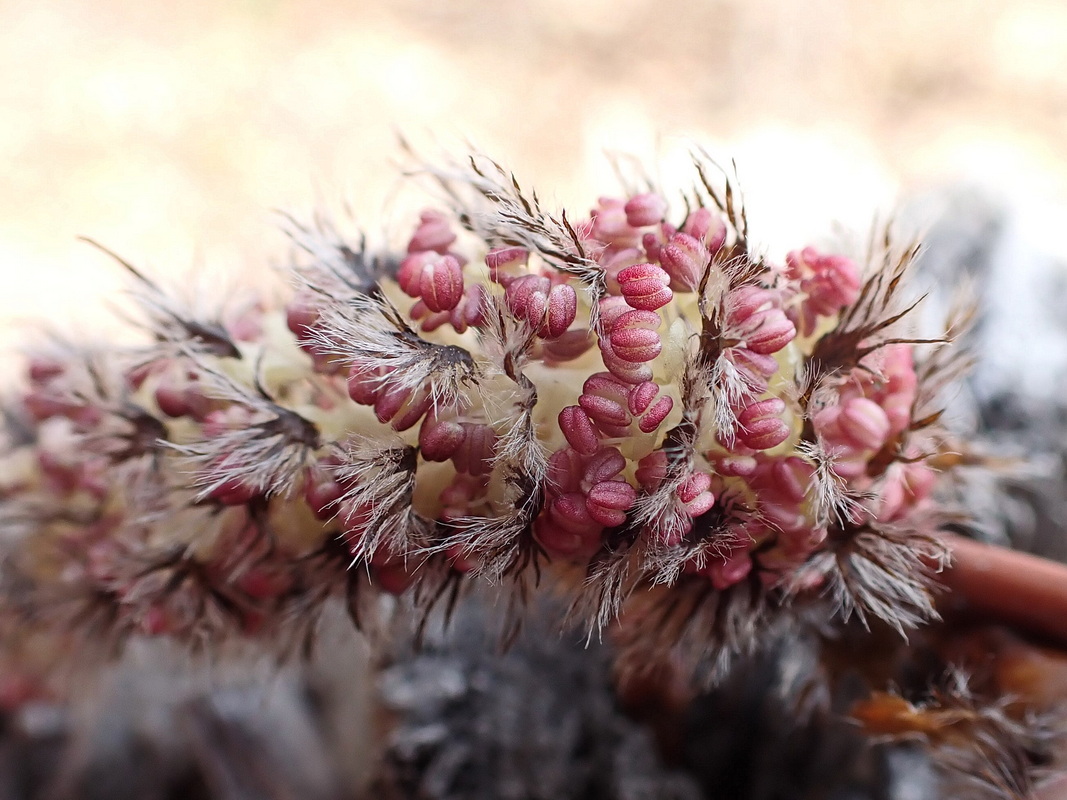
<point x="441" y="284"/>
<point x="634" y="336"/>
<point x="864" y="423"/>
<point x="475" y="453"/>
<point x="695" y="494"/>
<point x="708" y="228"/>
<point x="401" y="407"/>
<point x="562" y="310"/>
<point x="506" y="264"/>
<point x="603" y="398"/>
<point x="433" y="233"/>
<point x="579" y="430"/>
<point x="603" y="465"/>
<point x="775" y="332"/>
<point x="643" y="404"/>
<point x="793" y="477"/>
<point x="569" y="346"/>
<point x="608" y="501"/>
<point x="439" y="439"/>
<point x="565" y="470"/>
<point x="364" y="384"/>
<point x="760" y="426"/>
<point x="571" y="513"/>
<point x="321" y="493"/>
<point x="409" y="273"/>
<point x="626" y="371"/>
<point x="645" y="286"/>
<point x="645" y="209"/>
<point x="684" y="258"/>
<point x="300" y="315"/>
<point x="652" y="470"/>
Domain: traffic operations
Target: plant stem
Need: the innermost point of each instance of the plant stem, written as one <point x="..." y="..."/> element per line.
<point x="1019" y="589"/>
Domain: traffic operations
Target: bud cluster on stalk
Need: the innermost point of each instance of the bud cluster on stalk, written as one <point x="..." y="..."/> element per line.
<point x="634" y="401"/>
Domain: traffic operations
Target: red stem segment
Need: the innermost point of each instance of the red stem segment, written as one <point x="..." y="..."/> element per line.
<point x="1019" y="589"/>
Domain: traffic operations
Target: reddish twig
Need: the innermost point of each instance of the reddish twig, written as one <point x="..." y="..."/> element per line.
<point x="1019" y="589"/>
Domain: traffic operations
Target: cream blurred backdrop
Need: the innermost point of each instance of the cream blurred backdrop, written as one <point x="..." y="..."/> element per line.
<point x="170" y="131"/>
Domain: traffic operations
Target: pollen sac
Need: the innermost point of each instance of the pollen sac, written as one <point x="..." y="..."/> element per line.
<point x="549" y="310"/>
<point x="608" y="501"/>
<point x="752" y="315"/>
<point x="440" y="439"/>
<point x="634" y="337"/>
<point x="441" y="283"/>
<point x="433" y="233"/>
<point x="646" y="209"/>
<point x="707" y="228"/>
<point x="645" y="403"/>
<point x="695" y="495"/>
<point x="401" y="407"/>
<point x="474" y="455"/>
<point x="684" y="258"/>
<point x="645" y="286"/>
<point x="506" y="264"/>
<point x="578" y="428"/>
<point x="604" y="399"/>
<point x="603" y="465"/>
<point x="760" y="425"/>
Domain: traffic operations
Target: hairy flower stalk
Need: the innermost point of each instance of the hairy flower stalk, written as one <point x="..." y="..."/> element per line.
<point x="697" y="444"/>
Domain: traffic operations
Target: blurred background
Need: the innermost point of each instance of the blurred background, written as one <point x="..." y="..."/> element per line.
<point x="171" y="132"/>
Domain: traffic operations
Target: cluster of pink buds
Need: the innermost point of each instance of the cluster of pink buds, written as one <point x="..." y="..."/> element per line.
<point x="508" y="390"/>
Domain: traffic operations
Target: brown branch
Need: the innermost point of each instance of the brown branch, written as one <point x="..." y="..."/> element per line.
<point x="1019" y="589"/>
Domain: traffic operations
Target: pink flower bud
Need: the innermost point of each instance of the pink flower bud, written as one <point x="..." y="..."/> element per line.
<point x="603" y="465"/>
<point x="562" y="310"/>
<point x="579" y="430"/>
<point x="409" y="273"/>
<point x="603" y="398"/>
<point x="392" y="575"/>
<point x="364" y="384"/>
<point x="441" y="284"/>
<point x="321" y="493"/>
<point x="864" y="423"/>
<point x="645" y="286"/>
<point x="634" y="337"/>
<point x="684" y="258"/>
<point x="474" y="455"/>
<point x="569" y="346"/>
<point x="626" y="371"/>
<point x="571" y="513"/>
<point x="760" y="426"/>
<point x="471" y="309"/>
<point x="402" y="408"/>
<point x="643" y="404"/>
<point x="234" y="492"/>
<point x="506" y="264"/>
<point x="775" y="332"/>
<point x="439" y="439"/>
<point x="301" y="314"/>
<point x="707" y="228"/>
<point x="559" y="541"/>
<point x="652" y="470"/>
<point x="792" y="478"/>
<point x="695" y="494"/>
<point x="519" y="292"/>
<point x="433" y="233"/>
<point x="611" y="308"/>
<point x="645" y="209"/>
<point x="610" y="225"/>
<point x="730" y="570"/>
<point x="608" y="501"/>
<point x="565" y="470"/>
